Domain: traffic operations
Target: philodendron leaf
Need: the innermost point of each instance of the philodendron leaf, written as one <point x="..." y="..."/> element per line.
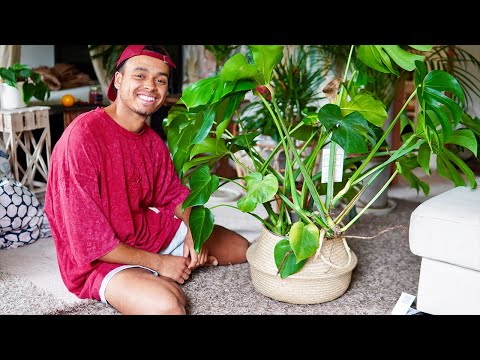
<point x="201" y="225"/>
<point x="376" y="58"/>
<point x="205" y="120"/>
<point x="200" y="92"/>
<point x="452" y="163"/>
<point x="225" y="111"/>
<point x="211" y="146"/>
<point x="205" y="159"/>
<point x="259" y="190"/>
<point x="422" y="47"/>
<point x="202" y="185"/>
<point x="304" y="240"/>
<point x="423" y="157"/>
<point x="245" y="140"/>
<point x="285" y="259"/>
<point x="405" y="167"/>
<point x="266" y="57"/>
<point x="351" y="132"/>
<point x="432" y="97"/>
<point x="379" y="57"/>
<point x="420" y="72"/>
<point x="402" y="58"/>
<point x="471" y="123"/>
<point x="446" y="169"/>
<point x="464" y="138"/>
<point x="372" y="110"/>
<point x="237" y="68"/>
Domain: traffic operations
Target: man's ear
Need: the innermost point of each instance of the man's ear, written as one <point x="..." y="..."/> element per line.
<point x="118" y="79"/>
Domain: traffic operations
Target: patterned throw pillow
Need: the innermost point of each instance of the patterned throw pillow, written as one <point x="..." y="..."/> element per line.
<point x="21" y="214"/>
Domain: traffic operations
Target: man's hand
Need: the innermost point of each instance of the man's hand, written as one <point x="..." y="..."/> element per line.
<point x="206" y="260"/>
<point x="189" y="250"/>
<point x="173" y="267"/>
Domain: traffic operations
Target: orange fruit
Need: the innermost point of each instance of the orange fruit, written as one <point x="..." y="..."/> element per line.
<point x="68" y="100"/>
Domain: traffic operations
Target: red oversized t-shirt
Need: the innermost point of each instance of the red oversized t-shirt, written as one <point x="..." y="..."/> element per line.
<point x="102" y="180"/>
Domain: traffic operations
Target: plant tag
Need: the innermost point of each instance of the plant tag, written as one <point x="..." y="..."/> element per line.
<point x="402" y="306"/>
<point x="338" y="171"/>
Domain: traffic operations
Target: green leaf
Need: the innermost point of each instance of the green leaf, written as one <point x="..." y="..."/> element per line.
<point x="402" y="58"/>
<point x="259" y="190"/>
<point x="446" y="169"/>
<point x="202" y="185"/>
<point x="24" y="74"/>
<point x="285" y="259"/>
<point x="207" y="159"/>
<point x="464" y="138"/>
<point x="423" y="157"/>
<point x="266" y="57"/>
<point x="351" y="132"/>
<point x="200" y="92"/>
<point x="442" y="81"/>
<point x="179" y="159"/>
<point x="471" y="123"/>
<point x="209" y="146"/>
<point x="371" y="109"/>
<point x="236" y="68"/>
<point x="374" y="57"/>
<point x="28" y="91"/>
<point x="201" y="223"/>
<point x="304" y="240"/>
<point x="9" y="77"/>
<point x="245" y="140"/>
<point x="432" y="97"/>
<point x="405" y="167"/>
<point x="422" y="47"/>
<point x="463" y="167"/>
<point x="305" y="132"/>
<point x="420" y="73"/>
<point x="205" y="120"/>
<point x="244" y="85"/>
<point x="225" y="111"/>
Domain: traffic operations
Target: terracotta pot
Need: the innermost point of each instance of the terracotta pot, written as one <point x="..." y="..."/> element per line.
<point x="323" y="278"/>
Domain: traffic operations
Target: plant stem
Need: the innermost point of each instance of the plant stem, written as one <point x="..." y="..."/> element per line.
<point x="372" y="153"/>
<point x="351" y="222"/>
<point x="311" y="186"/>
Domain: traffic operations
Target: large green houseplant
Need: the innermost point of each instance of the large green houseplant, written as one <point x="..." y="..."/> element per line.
<point x="307" y="213"/>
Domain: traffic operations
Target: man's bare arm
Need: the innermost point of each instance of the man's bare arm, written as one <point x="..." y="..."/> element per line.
<point x="174" y="267"/>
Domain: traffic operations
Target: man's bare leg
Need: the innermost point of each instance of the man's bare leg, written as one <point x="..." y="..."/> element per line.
<point x="135" y="291"/>
<point x="227" y="246"/>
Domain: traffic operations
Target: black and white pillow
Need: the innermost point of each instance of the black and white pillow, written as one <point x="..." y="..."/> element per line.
<point x="21" y="214"/>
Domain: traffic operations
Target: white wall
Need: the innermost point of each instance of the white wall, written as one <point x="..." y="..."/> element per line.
<point x="37" y="55"/>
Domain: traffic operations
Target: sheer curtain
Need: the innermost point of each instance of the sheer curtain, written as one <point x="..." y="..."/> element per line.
<point x="9" y="54"/>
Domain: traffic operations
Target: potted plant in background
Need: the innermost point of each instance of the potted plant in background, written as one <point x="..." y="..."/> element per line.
<point x="21" y="83"/>
<point x="302" y="255"/>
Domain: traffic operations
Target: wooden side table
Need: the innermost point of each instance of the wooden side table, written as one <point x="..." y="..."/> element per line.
<point x="18" y="126"/>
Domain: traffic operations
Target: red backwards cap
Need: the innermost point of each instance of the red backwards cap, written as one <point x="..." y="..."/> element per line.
<point x="135" y="50"/>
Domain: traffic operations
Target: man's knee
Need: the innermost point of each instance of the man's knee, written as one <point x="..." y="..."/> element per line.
<point x="170" y="305"/>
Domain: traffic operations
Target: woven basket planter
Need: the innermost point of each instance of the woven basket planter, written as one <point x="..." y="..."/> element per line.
<point x="323" y="278"/>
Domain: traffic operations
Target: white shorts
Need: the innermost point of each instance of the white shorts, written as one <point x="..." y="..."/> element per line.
<point x="174" y="248"/>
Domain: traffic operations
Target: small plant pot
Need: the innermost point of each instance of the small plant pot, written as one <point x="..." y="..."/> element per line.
<point x="317" y="282"/>
<point x="11" y="97"/>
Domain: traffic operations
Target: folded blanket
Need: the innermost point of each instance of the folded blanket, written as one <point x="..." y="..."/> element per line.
<point x="63" y="76"/>
<point x="51" y="80"/>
